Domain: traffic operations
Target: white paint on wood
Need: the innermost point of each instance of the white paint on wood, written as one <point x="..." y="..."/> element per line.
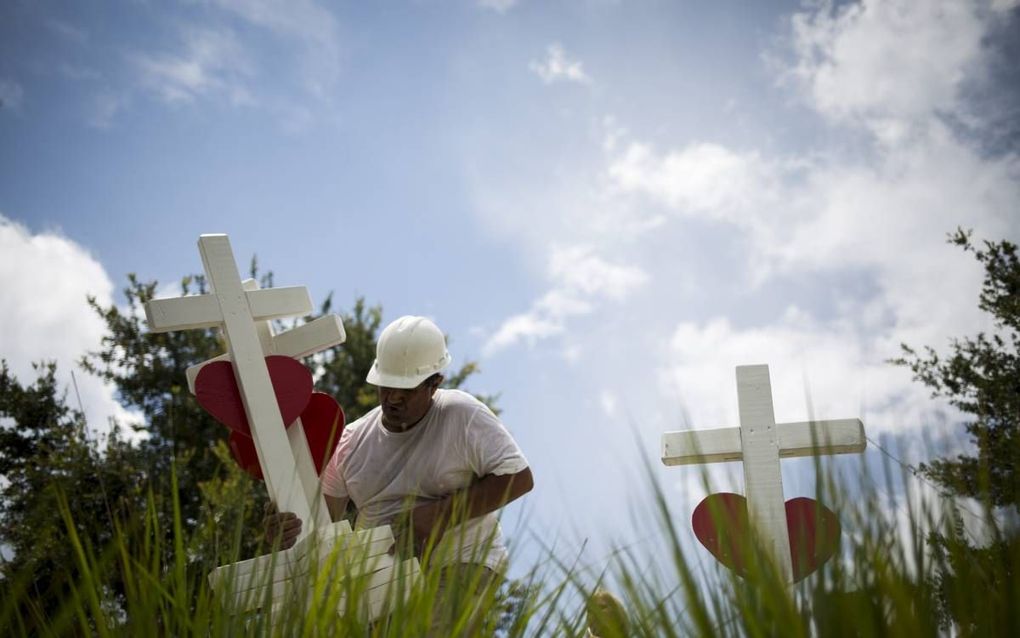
<point x="759" y="443"/>
<point x="268" y="433"/>
<point x="763" y="482"/>
<point x="203" y="311"/>
<point x="321" y="334"/>
<point x="279" y="303"/>
<point x="339" y="556"/>
<point x="183" y="313"/>
<point x="267" y="427"/>
<point x="295" y="432"/>
<point x="803" y="438"/>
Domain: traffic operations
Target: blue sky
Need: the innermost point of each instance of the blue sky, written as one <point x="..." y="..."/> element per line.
<point x="608" y="204"/>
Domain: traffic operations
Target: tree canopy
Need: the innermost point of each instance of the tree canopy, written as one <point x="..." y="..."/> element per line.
<point x="980" y="375"/>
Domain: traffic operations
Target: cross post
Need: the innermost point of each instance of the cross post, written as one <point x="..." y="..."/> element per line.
<point x="759" y="443"/>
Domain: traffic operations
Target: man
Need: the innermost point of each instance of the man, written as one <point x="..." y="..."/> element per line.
<point x="434" y="463"/>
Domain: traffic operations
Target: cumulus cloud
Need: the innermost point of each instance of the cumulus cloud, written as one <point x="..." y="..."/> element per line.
<point x="558" y="67"/>
<point x="46" y="278"/>
<point x="893" y="65"/>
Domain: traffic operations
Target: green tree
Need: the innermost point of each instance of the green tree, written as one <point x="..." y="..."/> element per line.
<point x="45" y="453"/>
<point x="981" y="377"/>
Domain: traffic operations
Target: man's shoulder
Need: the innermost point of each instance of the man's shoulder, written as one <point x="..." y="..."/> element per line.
<point x="363" y="422"/>
<point x="457" y="400"/>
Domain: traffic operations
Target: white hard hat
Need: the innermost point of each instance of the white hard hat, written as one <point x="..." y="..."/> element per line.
<point x="410" y="350"/>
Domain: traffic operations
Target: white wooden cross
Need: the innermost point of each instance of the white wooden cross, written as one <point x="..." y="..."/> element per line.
<point x="299" y="342"/>
<point x="245" y="314"/>
<point x="237" y="311"/>
<point x="760" y="442"/>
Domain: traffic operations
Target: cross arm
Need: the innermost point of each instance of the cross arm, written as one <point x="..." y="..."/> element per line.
<point x="809" y="438"/>
<point x="203" y="311"/>
<point x="183" y="313"/>
<point x="701" y="446"/>
<point x="804" y="438"/>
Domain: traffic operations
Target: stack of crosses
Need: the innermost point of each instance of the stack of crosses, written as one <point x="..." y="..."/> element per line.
<point x="245" y="315"/>
<point x="759" y="443"/>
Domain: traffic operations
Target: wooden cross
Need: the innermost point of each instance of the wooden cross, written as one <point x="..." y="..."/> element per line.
<point x="238" y="312"/>
<point x="299" y="342"/>
<point x="245" y="314"/>
<point x="760" y="442"/>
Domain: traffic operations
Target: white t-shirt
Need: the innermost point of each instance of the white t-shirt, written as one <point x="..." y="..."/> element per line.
<point x="457" y="441"/>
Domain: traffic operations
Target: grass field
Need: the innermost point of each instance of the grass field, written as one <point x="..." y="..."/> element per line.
<point x="910" y="570"/>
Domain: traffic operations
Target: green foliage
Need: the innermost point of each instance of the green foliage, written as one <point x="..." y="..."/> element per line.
<point x="45" y="452"/>
<point x="981" y="377"/>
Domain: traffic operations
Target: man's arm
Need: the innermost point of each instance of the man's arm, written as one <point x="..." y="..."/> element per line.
<point x="337" y="506"/>
<point x="485" y="495"/>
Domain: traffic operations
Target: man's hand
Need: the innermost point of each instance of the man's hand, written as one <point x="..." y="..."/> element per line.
<point x="281" y="528"/>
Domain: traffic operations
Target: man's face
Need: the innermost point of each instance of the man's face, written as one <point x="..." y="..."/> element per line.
<point x="402" y="408"/>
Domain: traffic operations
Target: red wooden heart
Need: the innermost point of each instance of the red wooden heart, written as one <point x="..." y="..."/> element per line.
<point x="243" y="448"/>
<point x="216" y="390"/>
<point x="720" y="523"/>
<point x="323" y="421"/>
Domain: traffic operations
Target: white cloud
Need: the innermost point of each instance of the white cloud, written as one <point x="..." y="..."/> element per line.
<point x="863" y="222"/>
<point x="11" y="95"/>
<point x="211" y="62"/>
<point x="891" y="64"/>
<point x="46" y="279"/>
<point x="581" y="278"/>
<point x="818" y="370"/>
<point x="499" y="6"/>
<point x="303" y="22"/>
<point x="557" y="67"/>
<point x="700" y="179"/>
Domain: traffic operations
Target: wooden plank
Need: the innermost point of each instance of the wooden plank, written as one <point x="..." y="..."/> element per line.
<point x="811" y="438"/>
<point x="335" y="542"/>
<point x="314" y="336"/>
<point x="762" y="477"/>
<point x="288" y="559"/>
<point x="701" y="446"/>
<point x="268" y="432"/>
<point x="296" y="431"/>
<point x="278" y="303"/>
<point x="375" y="599"/>
<point x="183" y="313"/>
<point x="801" y="438"/>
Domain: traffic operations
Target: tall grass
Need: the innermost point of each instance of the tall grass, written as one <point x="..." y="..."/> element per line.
<point x="906" y="567"/>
